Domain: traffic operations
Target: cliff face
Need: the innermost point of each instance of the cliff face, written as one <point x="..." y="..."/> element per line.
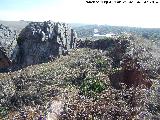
<point x="42" y="41"/>
<point x="8" y="46"/>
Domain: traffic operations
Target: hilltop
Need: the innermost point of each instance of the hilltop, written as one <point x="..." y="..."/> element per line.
<point x="108" y="78"/>
<point x="50" y="73"/>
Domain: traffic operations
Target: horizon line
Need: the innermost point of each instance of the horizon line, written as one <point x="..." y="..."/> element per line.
<point x="83" y="23"/>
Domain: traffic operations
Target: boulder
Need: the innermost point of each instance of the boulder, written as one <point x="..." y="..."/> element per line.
<point x="55" y="109"/>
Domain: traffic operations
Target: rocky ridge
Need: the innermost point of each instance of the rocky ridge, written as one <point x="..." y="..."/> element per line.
<point x="37" y="42"/>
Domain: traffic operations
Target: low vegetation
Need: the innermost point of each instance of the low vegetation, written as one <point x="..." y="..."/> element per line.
<point x="81" y="82"/>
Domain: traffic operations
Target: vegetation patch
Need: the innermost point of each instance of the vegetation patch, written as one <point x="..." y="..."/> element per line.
<point x="92" y="86"/>
<point x="102" y="64"/>
<point x="3" y="111"/>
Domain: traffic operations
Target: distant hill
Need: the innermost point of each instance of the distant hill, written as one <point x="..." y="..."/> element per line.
<point x="88" y="30"/>
<point x="15" y="25"/>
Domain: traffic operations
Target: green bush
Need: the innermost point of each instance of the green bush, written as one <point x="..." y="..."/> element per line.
<point x="101" y="65"/>
<point x="3" y="111"/>
<point x="92" y="86"/>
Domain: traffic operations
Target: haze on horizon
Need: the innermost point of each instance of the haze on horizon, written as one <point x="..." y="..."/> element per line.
<point x="78" y="11"/>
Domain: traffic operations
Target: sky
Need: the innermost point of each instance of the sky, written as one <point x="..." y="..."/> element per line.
<point x="79" y="11"/>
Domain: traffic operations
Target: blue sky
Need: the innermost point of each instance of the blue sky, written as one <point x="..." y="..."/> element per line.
<point x="78" y="11"/>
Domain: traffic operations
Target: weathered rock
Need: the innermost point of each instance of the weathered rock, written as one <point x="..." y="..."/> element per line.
<point x="41" y="41"/>
<point x="158" y="71"/>
<point x="4" y="61"/>
<point x="8" y="46"/>
<point x="55" y="109"/>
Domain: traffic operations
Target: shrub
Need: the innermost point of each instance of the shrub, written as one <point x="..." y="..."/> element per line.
<point x="92" y="86"/>
<point x="101" y="65"/>
<point x="3" y="111"/>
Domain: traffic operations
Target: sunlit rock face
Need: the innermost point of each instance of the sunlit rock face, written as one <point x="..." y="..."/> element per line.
<point x="42" y="41"/>
<point x="8" y="47"/>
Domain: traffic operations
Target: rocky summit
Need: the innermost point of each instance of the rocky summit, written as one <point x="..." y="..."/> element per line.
<point x="37" y="42"/>
<point x="43" y="41"/>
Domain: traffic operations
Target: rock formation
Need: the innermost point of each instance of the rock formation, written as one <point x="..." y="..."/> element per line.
<point x="42" y="41"/>
<point x="34" y="43"/>
<point x="8" y="46"/>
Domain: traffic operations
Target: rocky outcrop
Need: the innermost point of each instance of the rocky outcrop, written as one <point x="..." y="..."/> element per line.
<point x="114" y="48"/>
<point x="42" y="41"/>
<point x="8" y="46"/>
<point x="33" y="43"/>
<point x="139" y="68"/>
<point x="55" y="109"/>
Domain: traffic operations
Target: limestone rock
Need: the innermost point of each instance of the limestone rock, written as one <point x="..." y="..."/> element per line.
<point x="41" y="41"/>
<point x="8" y="46"/>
